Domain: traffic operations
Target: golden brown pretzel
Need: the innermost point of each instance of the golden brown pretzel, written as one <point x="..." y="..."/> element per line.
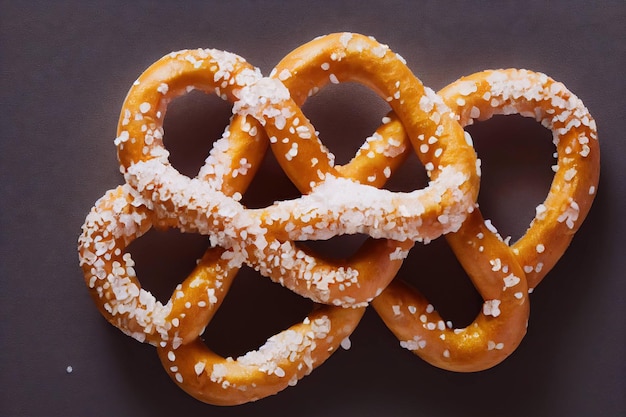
<point x="504" y="275"/>
<point x="336" y="200"/>
<point x="124" y="214"/>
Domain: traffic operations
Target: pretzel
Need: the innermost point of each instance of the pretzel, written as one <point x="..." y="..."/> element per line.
<point x="335" y="200"/>
<point x="504" y="275"/>
<point x="129" y="211"/>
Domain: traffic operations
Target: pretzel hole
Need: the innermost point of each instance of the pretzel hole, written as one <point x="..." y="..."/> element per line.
<point x="434" y="270"/>
<point x="164" y="258"/>
<point x="270" y="184"/>
<point x="516" y="154"/>
<point x="409" y="176"/>
<point x="192" y="123"/>
<point x="337" y="248"/>
<point x="345" y="115"/>
<point x="254" y="309"/>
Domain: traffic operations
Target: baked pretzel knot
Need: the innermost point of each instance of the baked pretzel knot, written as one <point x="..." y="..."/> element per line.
<point x="335" y="200"/>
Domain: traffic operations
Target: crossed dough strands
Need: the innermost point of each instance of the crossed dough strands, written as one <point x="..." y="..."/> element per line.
<point x="336" y="200"/>
<point x="333" y="205"/>
<point x="503" y="274"/>
<point x="124" y="214"/>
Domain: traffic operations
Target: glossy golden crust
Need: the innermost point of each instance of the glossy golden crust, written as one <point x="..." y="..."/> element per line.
<point x="156" y="195"/>
<point x="281" y="362"/>
<point x="335" y="200"/>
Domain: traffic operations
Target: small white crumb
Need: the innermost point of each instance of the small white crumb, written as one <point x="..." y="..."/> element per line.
<point x="346" y="343"/>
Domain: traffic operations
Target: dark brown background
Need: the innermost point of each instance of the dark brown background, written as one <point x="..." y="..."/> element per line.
<point x="65" y="69"/>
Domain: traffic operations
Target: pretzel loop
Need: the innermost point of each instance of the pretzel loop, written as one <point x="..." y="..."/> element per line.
<point x="122" y="215"/>
<point x="575" y="137"/>
<point x="504" y="275"/>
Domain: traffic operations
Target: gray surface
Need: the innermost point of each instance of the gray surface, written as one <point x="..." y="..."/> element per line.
<point x="65" y="69"/>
